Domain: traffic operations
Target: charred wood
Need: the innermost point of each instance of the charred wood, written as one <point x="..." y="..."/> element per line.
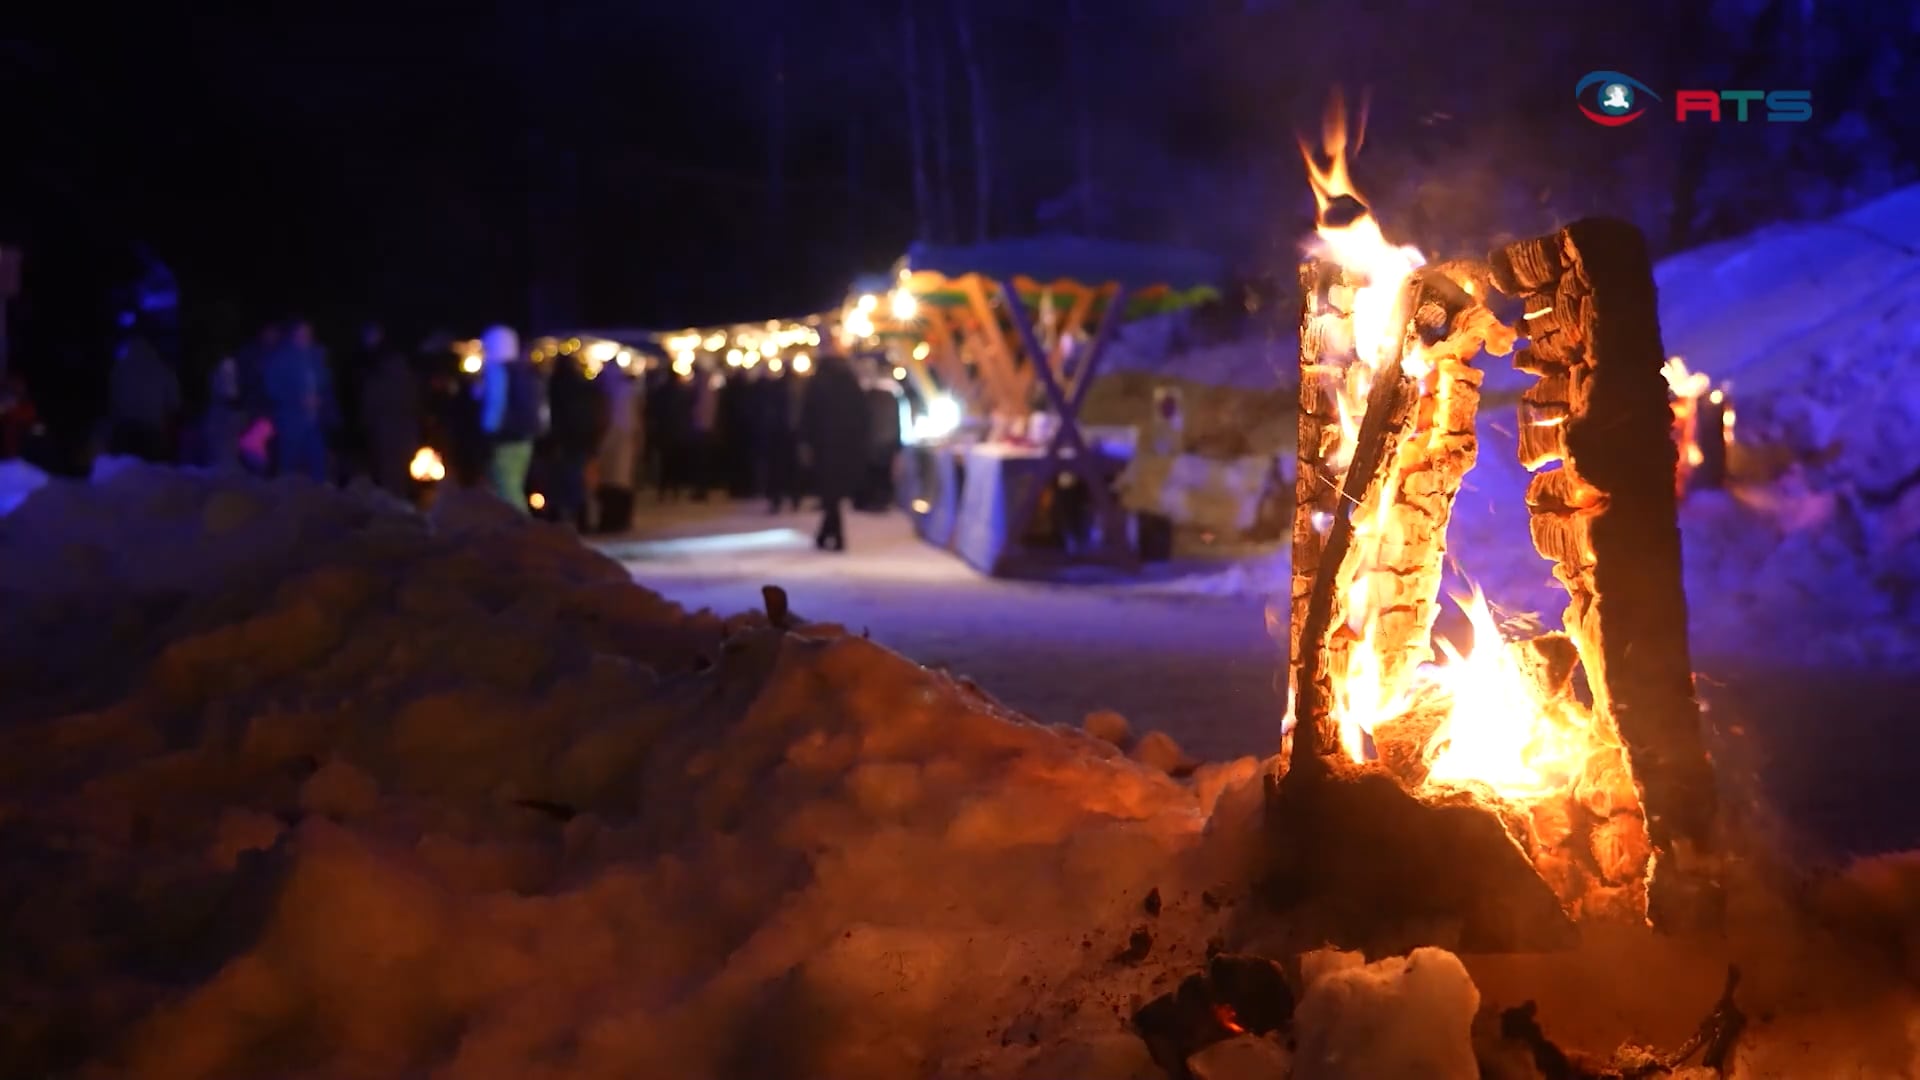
<point x="1608" y="518"/>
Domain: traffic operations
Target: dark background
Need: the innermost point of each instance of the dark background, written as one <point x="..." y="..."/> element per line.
<point x="442" y="166"/>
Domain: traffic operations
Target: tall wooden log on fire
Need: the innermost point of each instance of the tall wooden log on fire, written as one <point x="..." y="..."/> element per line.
<point x="1490" y="798"/>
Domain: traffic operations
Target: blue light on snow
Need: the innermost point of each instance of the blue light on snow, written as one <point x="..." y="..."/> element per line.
<point x="763" y="540"/>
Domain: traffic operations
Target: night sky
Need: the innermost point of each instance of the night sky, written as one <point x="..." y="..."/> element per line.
<point x="440" y="166"/>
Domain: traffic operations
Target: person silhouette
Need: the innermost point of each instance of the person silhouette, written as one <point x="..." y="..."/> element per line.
<point x="1616" y="98"/>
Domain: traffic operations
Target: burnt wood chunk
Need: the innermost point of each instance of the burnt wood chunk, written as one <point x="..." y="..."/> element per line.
<point x="1608" y="517"/>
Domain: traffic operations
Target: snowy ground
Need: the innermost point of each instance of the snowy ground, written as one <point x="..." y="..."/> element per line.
<point x="1198" y="668"/>
<point x="1808" y="733"/>
<point x="296" y="783"/>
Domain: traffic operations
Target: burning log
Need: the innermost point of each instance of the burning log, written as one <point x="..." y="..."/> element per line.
<point x="1390" y="402"/>
<point x="1702" y="427"/>
<point x="1607" y="518"/>
<point x="1326" y="346"/>
<point x="1414" y="445"/>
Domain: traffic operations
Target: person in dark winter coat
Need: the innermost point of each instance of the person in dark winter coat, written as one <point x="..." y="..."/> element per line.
<point x="776" y="452"/>
<point x="390" y="416"/>
<point x="226" y="417"/>
<point x="834" y="426"/>
<point x="299" y="389"/>
<point x="666" y="424"/>
<point x="143" y="399"/>
<point x="883" y="445"/>
<point x="575" y="427"/>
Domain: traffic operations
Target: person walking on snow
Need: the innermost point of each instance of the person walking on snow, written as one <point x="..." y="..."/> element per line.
<point x="834" y="426"/>
<point x="513" y="409"/>
<point x="299" y="390"/>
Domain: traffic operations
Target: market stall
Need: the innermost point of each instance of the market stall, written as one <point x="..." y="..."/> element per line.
<point x="1011" y="333"/>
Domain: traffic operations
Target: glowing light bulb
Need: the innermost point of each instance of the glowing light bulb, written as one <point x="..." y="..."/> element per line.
<point x="802" y="364"/>
<point x="471" y="363"/>
<point x="426" y="466"/>
<point x="904" y="305"/>
<point x="774" y="365"/>
<point x="537" y="501"/>
<point x="900" y="374"/>
<point x="922" y="351"/>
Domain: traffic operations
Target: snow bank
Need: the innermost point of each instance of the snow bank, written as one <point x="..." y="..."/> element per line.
<point x="17" y="481"/>
<point x="293" y="781"/>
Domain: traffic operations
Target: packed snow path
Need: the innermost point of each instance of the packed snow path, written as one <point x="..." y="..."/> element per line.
<point x="1200" y="669"/>
<point x="1816" y="745"/>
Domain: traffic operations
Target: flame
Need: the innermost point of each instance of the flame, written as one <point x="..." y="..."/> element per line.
<point x="1379" y="269"/>
<point x="1499" y="726"/>
<point x="1498" y="730"/>
<point x="426" y="466"/>
<point x="1228" y="1018"/>
<point x="1358" y="246"/>
<point x="1686" y="385"/>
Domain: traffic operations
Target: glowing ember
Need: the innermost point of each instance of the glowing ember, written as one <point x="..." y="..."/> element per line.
<point x="1228" y="1019"/>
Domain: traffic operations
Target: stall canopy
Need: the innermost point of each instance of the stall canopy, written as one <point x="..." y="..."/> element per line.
<point x="1155" y="278"/>
<point x="999" y="321"/>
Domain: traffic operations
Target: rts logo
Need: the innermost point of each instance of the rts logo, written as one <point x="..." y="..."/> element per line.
<point x="1615" y="97"/>
<point x="1612" y="99"/>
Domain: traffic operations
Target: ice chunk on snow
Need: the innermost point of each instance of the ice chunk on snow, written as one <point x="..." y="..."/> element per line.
<point x="1401" y="1018"/>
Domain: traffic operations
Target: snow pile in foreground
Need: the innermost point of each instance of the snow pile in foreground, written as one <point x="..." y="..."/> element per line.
<point x="293" y="781"/>
<point x="296" y="783"/>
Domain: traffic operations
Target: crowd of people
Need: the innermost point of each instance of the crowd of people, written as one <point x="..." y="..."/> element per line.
<point x="562" y="438"/>
<point x="766" y="433"/>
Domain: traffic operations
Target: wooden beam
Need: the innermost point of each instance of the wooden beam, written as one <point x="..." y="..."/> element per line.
<point x="998" y="353"/>
<point x="1076" y="318"/>
<point x="1068" y="437"/>
<point x="1608" y="516"/>
<point x="1390" y="406"/>
<point x="1102" y="337"/>
<point x="946" y="357"/>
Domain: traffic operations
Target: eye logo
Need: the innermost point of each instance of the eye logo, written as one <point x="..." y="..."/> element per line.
<point x="1611" y="98"/>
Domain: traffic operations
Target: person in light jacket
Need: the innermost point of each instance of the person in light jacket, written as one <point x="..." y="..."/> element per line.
<point x="513" y="406"/>
<point x="619" y="450"/>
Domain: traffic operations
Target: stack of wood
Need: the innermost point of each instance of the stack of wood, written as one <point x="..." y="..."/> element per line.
<point x="1607" y="517"/>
